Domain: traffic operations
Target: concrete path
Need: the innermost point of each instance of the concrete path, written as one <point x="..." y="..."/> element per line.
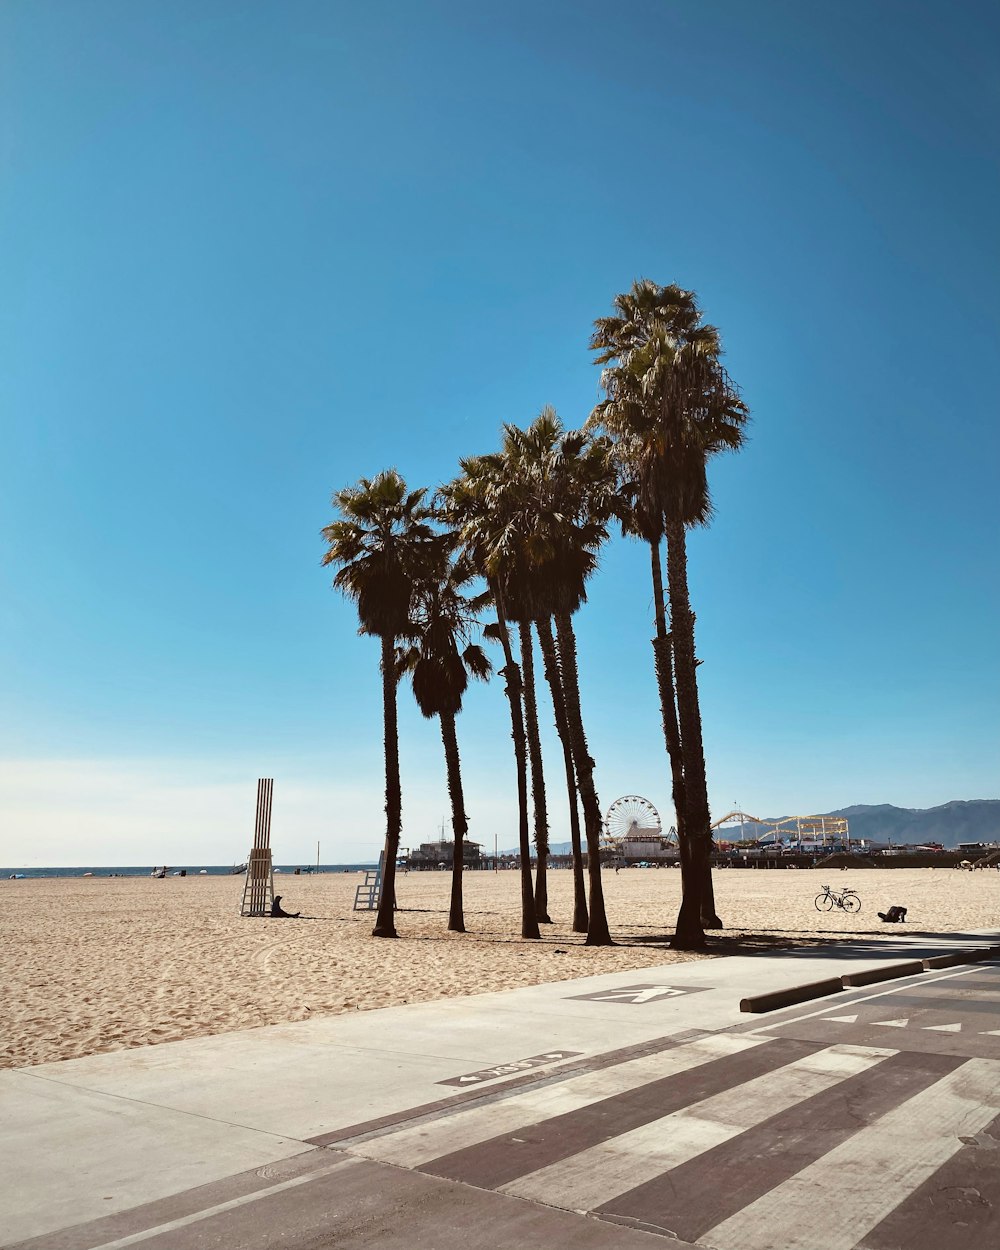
<point x="605" y="1112"/>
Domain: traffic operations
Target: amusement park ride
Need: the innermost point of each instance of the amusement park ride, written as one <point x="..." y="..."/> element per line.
<point x="797" y="830"/>
<point x="633" y="831"/>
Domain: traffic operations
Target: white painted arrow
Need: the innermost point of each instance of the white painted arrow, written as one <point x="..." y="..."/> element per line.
<point x="892" y="1024"/>
<point x="942" y="1028"/>
<point x="655" y="991"/>
<point x="841" y="1019"/>
<point x="644" y="995"/>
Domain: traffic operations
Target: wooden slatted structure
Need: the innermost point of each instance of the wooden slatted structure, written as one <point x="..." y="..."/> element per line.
<point x="366" y="897"/>
<point x="258" y="887"/>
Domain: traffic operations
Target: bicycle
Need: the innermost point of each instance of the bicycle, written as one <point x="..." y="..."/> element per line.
<point x="846" y="900"/>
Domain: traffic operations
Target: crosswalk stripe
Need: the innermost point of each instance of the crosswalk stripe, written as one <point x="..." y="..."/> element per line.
<point x="505" y="1156"/>
<point x="595" y="1176"/>
<point x="689" y="1199"/>
<point x="868" y="1175"/>
<point x="418" y="1144"/>
<point x="955" y="1208"/>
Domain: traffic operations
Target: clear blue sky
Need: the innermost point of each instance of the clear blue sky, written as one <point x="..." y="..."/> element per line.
<point x="253" y="251"/>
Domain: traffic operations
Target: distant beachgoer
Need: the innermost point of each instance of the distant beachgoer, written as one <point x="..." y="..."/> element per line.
<point x="278" y="910"/>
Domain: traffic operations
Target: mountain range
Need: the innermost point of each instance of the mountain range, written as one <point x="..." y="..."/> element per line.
<point x="962" y="820"/>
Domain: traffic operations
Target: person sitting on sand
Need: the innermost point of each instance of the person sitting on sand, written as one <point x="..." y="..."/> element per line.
<point x="278" y="910"/>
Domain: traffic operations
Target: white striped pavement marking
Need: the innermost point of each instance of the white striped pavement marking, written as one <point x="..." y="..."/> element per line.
<point x="892" y="1024"/>
<point x="870" y="1174"/>
<point x="411" y="1147"/>
<point x="881" y="992"/>
<point x="183" y="1221"/>
<point x="942" y="1028"/>
<point x="595" y="1176"/>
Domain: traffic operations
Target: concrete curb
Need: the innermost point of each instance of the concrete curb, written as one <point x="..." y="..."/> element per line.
<point x="888" y="973"/>
<point x="946" y="961"/>
<point x="872" y="976"/>
<point x="791" y="996"/>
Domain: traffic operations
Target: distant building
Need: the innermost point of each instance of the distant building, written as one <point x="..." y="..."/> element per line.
<point x="645" y="846"/>
<point x="441" y="855"/>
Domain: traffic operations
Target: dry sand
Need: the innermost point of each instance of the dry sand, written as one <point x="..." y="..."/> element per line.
<point x="98" y="964"/>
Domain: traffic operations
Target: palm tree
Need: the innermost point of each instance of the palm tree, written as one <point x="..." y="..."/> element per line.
<point x="581" y="489"/>
<point x="487" y="538"/>
<point x="440" y="659"/>
<point x="672" y="405"/>
<point x="382" y="545"/>
<point x="554" y="483"/>
<point x="516" y="461"/>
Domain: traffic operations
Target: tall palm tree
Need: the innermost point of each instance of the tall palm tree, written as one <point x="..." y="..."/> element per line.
<point x="672" y="405"/>
<point x="382" y="545"/>
<point x="553" y="486"/>
<point x="440" y="658"/>
<point x="581" y="486"/>
<point x="519" y="455"/>
<point x="488" y="539"/>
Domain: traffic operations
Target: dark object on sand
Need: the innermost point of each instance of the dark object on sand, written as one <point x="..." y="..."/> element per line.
<point x="893" y="916"/>
<point x="278" y="910"/>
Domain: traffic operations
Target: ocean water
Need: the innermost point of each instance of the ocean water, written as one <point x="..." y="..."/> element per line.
<point x="193" y="870"/>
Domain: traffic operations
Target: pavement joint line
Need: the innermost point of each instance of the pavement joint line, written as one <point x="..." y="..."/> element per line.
<point x="233" y="1204"/>
<point x="854" y="1002"/>
<point x="464" y="1100"/>
<point x="431" y="1114"/>
<point x="159" y="1106"/>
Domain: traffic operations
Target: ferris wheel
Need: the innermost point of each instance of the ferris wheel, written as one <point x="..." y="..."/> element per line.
<point x="630" y="815"/>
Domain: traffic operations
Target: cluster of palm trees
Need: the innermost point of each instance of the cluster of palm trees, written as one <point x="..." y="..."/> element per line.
<point x="516" y="534"/>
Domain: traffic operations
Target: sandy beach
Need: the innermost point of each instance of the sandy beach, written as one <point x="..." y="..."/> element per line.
<point x="98" y="964"/>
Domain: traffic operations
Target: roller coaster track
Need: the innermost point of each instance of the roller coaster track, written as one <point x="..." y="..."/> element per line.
<point x="742" y="817"/>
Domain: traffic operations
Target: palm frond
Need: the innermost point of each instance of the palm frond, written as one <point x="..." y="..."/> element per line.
<point x="669" y="405"/>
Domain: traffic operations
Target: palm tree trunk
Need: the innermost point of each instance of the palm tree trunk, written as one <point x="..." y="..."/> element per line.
<point x="552" y="675"/>
<point x="385" y="925"/>
<point x="697" y="815"/>
<point x="689" y="932"/>
<point x="512" y="677"/>
<point x="598" y="933"/>
<point x="538" y="802"/>
<point x="664" y="665"/>
<point x="459" y="820"/>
